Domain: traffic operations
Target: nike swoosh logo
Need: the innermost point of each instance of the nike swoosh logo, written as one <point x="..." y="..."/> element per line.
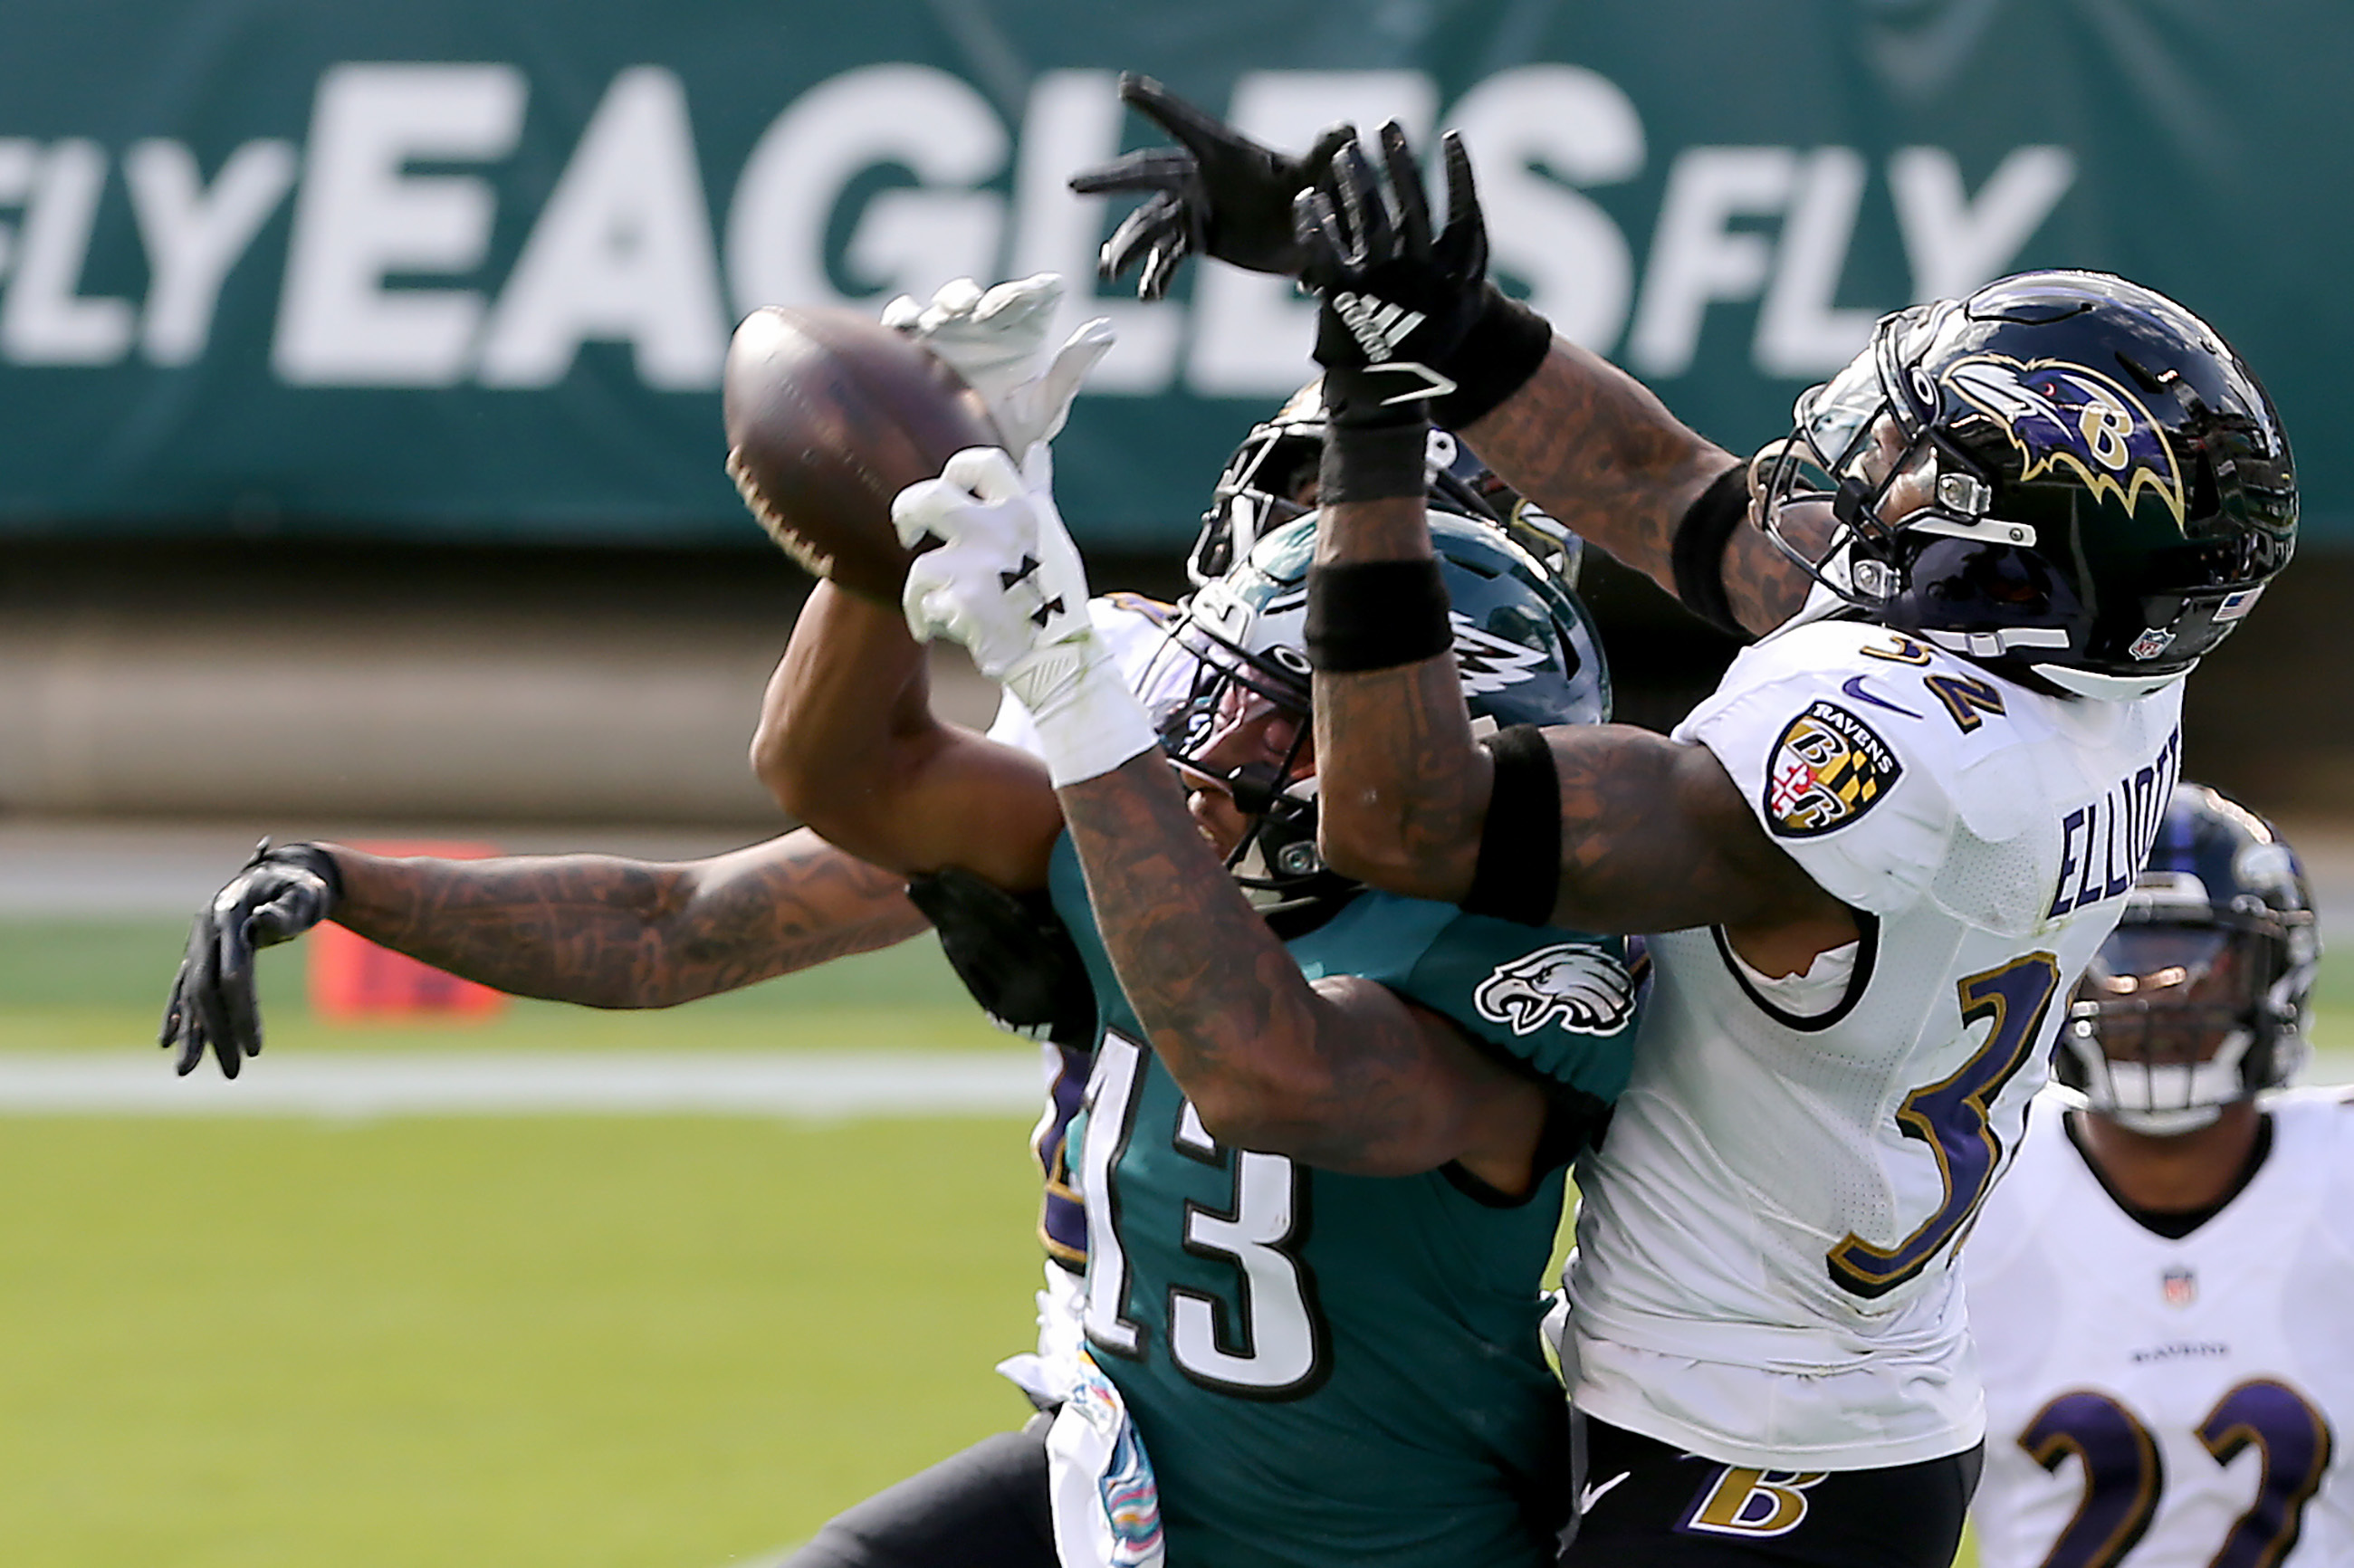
<point x="1854" y="688"/>
<point x="1591" y="1495"/>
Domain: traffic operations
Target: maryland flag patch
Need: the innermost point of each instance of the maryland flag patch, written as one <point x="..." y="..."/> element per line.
<point x="1826" y="769"/>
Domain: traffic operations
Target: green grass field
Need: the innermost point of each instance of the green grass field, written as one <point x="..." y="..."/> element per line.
<point x="515" y="1341"/>
<point x="598" y="1342"/>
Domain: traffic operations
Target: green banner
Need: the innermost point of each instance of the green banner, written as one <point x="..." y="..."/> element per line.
<point x="467" y="270"/>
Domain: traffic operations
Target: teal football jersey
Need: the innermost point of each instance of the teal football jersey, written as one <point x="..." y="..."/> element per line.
<point x="1328" y="1368"/>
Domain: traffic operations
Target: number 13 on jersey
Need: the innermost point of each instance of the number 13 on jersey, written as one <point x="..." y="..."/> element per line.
<point x="1267" y="1342"/>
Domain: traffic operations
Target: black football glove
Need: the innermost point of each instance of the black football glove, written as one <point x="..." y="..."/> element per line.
<point x="1013" y="954"/>
<point x="281" y="894"/>
<point x="1398" y="300"/>
<point x="1218" y="193"/>
<point x="1408" y="314"/>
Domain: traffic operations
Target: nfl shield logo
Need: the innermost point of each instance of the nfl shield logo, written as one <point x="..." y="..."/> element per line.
<point x="2150" y="643"/>
<point x="2179" y="1286"/>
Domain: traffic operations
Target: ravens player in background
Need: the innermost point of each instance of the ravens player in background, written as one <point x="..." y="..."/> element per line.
<point x="1323" y="1143"/>
<point x="2160" y="1288"/>
<point x="1882" y="850"/>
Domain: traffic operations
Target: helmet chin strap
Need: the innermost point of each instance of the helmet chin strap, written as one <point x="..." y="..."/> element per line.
<point x="2111" y="688"/>
<point x="2166" y="1124"/>
<point x="2167" y="1099"/>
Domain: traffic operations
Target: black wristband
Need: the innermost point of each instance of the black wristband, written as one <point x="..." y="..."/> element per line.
<point x="1698" y="550"/>
<point x="1502" y="348"/>
<point x="1376" y="615"/>
<point x="1375" y="462"/>
<point x="1518" y="873"/>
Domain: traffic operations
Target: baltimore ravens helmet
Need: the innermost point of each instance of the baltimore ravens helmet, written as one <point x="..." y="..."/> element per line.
<point x="2204" y="993"/>
<point x="1524" y="649"/>
<point x="1270" y="480"/>
<point x="2065" y="475"/>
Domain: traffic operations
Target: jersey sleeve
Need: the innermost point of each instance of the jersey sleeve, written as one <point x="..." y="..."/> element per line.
<point x="1841" y="776"/>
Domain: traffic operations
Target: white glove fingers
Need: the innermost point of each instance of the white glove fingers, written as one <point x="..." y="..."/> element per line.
<point x="1059" y="387"/>
<point x="1016" y="303"/>
<point x="985" y="472"/>
<point x="926" y="507"/>
<point x="953" y="299"/>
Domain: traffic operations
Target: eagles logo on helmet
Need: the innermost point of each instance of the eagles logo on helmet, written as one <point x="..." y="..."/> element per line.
<point x="2204" y="993"/>
<point x="2066" y="476"/>
<point x="1525" y="652"/>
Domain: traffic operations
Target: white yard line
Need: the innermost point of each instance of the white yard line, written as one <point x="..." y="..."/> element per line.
<point x="812" y="1084"/>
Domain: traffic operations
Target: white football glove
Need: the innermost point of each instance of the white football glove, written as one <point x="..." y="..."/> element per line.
<point x="1007" y="583"/>
<point x="997" y="341"/>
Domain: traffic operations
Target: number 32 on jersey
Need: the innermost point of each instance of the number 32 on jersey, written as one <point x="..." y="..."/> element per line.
<point x="1951" y="1116"/>
<point x="1268" y="1341"/>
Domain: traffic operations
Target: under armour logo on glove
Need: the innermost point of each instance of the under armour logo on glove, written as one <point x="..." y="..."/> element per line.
<point x="1047" y="610"/>
<point x="1007" y="580"/>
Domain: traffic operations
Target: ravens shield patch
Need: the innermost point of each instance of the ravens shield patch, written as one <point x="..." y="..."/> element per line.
<point x="1826" y="769"/>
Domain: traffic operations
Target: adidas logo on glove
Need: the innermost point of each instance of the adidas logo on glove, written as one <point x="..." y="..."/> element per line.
<point x="1378" y="326"/>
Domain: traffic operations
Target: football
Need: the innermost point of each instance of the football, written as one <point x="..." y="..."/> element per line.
<point x="829" y="415"/>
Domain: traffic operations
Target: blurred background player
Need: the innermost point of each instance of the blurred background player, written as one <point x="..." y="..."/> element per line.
<point x="2160" y="1290"/>
<point x="1316" y="1206"/>
<point x="1986" y="555"/>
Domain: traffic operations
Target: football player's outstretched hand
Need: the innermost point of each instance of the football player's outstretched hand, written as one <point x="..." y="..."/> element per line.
<point x="1217" y="192"/>
<point x="997" y="341"/>
<point x="279" y="893"/>
<point x="1007" y="583"/>
<point x="1399" y="299"/>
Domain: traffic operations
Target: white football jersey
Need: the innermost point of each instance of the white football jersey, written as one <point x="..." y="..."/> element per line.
<point x="2169" y="1404"/>
<point x="1764" y="1272"/>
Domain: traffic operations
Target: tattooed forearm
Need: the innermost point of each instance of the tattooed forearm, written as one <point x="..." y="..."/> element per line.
<point x="1404" y="797"/>
<point x="1655" y="836"/>
<point x="1403" y="789"/>
<point x="606" y="932"/>
<point x="1338" y="1079"/>
<point x="1597" y="448"/>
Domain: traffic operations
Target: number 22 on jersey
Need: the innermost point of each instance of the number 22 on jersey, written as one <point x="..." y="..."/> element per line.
<point x="1269" y="1341"/>
<point x="2124" y="1477"/>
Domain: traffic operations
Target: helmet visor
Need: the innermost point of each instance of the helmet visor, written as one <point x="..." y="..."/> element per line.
<point x="1831" y="419"/>
<point x="2169" y="993"/>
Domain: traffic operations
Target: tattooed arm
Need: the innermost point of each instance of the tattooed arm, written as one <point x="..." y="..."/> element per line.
<point x="1342" y="1074"/>
<point x="608" y="932"/>
<point x="1595" y="448"/>
<point x="591" y="929"/>
<point x="1654" y="834"/>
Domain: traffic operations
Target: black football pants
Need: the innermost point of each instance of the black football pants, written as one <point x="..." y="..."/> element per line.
<point x="1651" y="1505"/>
<point x="985" y="1508"/>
